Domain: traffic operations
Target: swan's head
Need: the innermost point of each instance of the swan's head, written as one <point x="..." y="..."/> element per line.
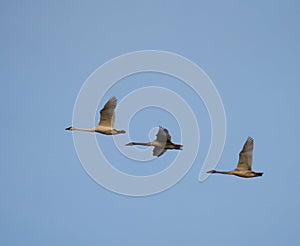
<point x="211" y="171"/>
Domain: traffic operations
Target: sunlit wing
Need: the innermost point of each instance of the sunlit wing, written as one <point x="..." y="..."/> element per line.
<point x="107" y="116"/>
<point x="245" y="157"/>
<point x="163" y="136"/>
<point x="158" y="151"/>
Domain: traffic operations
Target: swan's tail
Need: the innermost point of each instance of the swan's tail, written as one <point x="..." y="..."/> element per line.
<point x="259" y="174"/>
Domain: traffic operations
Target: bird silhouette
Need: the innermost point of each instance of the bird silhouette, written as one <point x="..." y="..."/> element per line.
<point x="161" y="144"/>
<point x="244" y="167"/>
<point x="106" y="122"/>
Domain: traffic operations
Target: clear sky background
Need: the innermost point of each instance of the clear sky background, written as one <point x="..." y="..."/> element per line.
<point x="251" y="52"/>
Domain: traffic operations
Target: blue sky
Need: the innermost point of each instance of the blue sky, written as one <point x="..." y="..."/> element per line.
<point x="251" y="53"/>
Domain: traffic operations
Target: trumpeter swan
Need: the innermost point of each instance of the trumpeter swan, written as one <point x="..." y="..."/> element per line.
<point x="244" y="167"/>
<point x="161" y="144"/>
<point x="106" y="122"/>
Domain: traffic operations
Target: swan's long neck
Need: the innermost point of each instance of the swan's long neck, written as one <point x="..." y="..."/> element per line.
<point x="143" y="144"/>
<point x="223" y="172"/>
<point x="82" y="129"/>
<point x="220" y="172"/>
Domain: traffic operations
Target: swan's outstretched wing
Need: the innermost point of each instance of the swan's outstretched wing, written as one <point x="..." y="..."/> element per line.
<point x="158" y="151"/>
<point x="163" y="136"/>
<point x="245" y="157"/>
<point x="107" y="117"/>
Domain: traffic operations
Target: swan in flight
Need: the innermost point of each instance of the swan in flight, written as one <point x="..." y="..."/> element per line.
<point x="106" y="122"/>
<point x="161" y="144"/>
<point x="243" y="168"/>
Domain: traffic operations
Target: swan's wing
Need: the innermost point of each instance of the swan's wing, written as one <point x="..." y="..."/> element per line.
<point x="163" y="136"/>
<point x="158" y="151"/>
<point x="107" y="115"/>
<point x="245" y="157"/>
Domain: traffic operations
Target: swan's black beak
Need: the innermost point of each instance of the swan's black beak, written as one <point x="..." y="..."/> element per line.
<point x="68" y="128"/>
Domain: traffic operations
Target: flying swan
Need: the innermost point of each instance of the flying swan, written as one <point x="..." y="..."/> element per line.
<point x="106" y="122"/>
<point x="161" y="144"/>
<point x="243" y="168"/>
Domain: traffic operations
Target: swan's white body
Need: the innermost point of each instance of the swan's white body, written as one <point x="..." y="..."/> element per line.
<point x="106" y="122"/>
<point x="244" y="167"/>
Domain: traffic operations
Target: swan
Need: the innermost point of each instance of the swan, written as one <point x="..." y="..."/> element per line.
<point x="243" y="168"/>
<point x="106" y="122"/>
<point x="161" y="144"/>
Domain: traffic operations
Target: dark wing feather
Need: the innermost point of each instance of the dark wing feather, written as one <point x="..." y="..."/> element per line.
<point x="158" y="151"/>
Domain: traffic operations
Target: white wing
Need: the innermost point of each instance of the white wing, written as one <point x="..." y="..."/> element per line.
<point x="163" y="136"/>
<point x="107" y="116"/>
<point x="245" y="157"/>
